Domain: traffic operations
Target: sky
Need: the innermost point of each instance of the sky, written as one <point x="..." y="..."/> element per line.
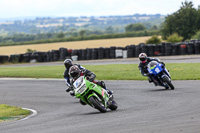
<point x="66" y="8"/>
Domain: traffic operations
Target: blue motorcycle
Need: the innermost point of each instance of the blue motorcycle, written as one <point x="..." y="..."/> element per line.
<point x="160" y="74"/>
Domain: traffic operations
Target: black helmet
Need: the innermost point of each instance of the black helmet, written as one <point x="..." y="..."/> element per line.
<point x="68" y="63"/>
<point x="142" y="57"/>
<point x="74" y="71"/>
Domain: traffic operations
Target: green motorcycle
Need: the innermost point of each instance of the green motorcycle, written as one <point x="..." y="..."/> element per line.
<point x="93" y="95"/>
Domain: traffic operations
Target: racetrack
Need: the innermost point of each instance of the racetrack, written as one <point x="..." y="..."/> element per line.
<point x="143" y="108"/>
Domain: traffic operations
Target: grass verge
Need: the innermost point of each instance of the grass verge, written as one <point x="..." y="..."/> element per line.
<point x="12" y="112"/>
<point x="178" y="71"/>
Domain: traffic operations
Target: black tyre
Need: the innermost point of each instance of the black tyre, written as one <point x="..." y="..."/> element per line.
<point x="97" y="104"/>
<point x="166" y="80"/>
<point x="113" y="106"/>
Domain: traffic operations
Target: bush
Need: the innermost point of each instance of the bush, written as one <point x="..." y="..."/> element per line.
<point x="196" y="36"/>
<point x="154" y="40"/>
<point x="174" y="38"/>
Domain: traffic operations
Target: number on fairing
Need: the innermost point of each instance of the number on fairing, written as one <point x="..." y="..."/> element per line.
<point x="157" y="70"/>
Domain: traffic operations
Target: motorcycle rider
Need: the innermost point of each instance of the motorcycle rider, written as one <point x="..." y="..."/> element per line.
<point x="144" y="60"/>
<point x="73" y="71"/>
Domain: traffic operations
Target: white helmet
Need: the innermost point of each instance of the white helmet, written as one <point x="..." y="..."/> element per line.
<point x="142" y="56"/>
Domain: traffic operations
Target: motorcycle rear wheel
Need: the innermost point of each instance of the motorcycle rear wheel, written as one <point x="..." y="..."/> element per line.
<point x="166" y="80"/>
<point x="97" y="104"/>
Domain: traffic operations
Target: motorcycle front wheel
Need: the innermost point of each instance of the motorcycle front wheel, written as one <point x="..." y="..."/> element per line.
<point x="166" y="80"/>
<point x="97" y="104"/>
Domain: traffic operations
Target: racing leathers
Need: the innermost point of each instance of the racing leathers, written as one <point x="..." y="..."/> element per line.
<point x="84" y="72"/>
<point x="143" y="67"/>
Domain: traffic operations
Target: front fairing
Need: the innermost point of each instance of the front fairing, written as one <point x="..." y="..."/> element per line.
<point x="84" y="89"/>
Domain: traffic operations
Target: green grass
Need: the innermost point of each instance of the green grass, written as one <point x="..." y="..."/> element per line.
<point x="12" y="112"/>
<point x="178" y="71"/>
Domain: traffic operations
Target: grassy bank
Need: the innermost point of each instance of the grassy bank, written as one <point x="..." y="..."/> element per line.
<point x="11" y="112"/>
<point x="178" y="71"/>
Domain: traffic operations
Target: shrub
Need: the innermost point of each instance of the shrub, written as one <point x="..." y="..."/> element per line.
<point x="196" y="36"/>
<point x="174" y="38"/>
<point x="154" y="40"/>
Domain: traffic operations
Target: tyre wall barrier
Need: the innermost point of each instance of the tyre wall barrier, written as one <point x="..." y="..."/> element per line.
<point x="130" y="51"/>
<point x="4" y="58"/>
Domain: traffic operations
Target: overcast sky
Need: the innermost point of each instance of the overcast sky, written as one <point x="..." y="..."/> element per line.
<point x="65" y="8"/>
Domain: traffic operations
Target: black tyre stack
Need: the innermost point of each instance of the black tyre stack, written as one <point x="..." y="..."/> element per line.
<point x="84" y="54"/>
<point x="94" y="53"/>
<point x="63" y="53"/>
<point x="112" y="52"/>
<point x="138" y="50"/>
<point x="182" y="48"/>
<point x="197" y="47"/>
<point x="4" y="58"/>
<point x="144" y="49"/>
<point x="107" y="53"/>
<point x="151" y="49"/>
<point x="130" y="51"/>
<point x="190" y="48"/>
<point x="168" y="49"/>
<point x="89" y="54"/>
<point x="101" y="53"/>
<point x="157" y="50"/>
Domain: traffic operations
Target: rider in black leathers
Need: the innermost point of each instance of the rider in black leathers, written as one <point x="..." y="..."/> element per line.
<point x="87" y="73"/>
<point x="144" y="60"/>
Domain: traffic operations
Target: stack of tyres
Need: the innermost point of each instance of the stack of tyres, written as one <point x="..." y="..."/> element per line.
<point x="183" y="48"/>
<point x="168" y="49"/>
<point x="89" y="54"/>
<point x="107" y="53"/>
<point x="21" y="58"/>
<point x="39" y="56"/>
<point x="112" y="52"/>
<point x="4" y="58"/>
<point x="63" y="53"/>
<point x="27" y="57"/>
<point x="101" y="53"/>
<point x="157" y="50"/>
<point x="190" y="48"/>
<point x="14" y="58"/>
<point x="144" y="49"/>
<point x="74" y="55"/>
<point x="197" y="47"/>
<point x="94" y="53"/>
<point x="151" y="49"/>
<point x="55" y="55"/>
<point x="79" y="52"/>
<point x="162" y="50"/>
<point x="84" y="53"/>
<point x="175" y="49"/>
<point x="137" y="50"/>
<point x="130" y="51"/>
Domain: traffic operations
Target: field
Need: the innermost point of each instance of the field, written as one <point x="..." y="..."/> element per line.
<point x="119" y="42"/>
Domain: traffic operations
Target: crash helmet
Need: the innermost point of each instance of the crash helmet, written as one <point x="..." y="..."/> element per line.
<point x="142" y="57"/>
<point x="74" y="71"/>
<point x="68" y="63"/>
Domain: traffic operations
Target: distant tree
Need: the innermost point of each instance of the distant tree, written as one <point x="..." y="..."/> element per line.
<point x="109" y="30"/>
<point x="135" y="27"/>
<point x="60" y="35"/>
<point x="82" y="33"/>
<point x="185" y="22"/>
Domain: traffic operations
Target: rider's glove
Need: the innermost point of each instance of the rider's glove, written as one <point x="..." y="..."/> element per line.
<point x="69" y="89"/>
<point x="162" y="63"/>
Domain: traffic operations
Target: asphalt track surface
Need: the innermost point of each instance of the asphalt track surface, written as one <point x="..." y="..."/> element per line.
<point x="143" y="108"/>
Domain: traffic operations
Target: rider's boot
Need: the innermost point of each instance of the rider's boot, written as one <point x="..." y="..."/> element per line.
<point x="102" y="84"/>
<point x="150" y="79"/>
